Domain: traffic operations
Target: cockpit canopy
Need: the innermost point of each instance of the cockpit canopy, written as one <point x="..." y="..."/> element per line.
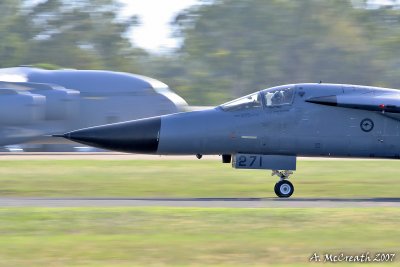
<point x="278" y="96"/>
<point x="271" y="97"/>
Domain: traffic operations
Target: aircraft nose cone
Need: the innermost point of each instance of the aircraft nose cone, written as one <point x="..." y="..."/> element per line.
<point x="140" y="136"/>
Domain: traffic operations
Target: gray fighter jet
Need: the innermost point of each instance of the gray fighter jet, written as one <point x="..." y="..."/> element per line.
<point x="269" y="129"/>
<point x="36" y="102"/>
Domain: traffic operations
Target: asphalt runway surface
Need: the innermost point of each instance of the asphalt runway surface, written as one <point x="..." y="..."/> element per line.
<point x="92" y="156"/>
<point x="202" y="202"/>
<point x="126" y="156"/>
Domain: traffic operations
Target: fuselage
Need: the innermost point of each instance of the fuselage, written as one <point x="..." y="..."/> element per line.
<point x="274" y="121"/>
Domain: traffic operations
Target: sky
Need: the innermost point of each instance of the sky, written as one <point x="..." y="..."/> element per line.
<point x="154" y="33"/>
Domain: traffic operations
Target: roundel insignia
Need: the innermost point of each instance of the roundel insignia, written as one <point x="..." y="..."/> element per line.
<point x="367" y="125"/>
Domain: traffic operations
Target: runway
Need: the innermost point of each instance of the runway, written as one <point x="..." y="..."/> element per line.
<point x="294" y="202"/>
<point x="4" y="156"/>
<point x="202" y="202"/>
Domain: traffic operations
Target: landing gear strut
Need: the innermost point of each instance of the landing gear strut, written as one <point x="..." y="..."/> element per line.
<point x="283" y="188"/>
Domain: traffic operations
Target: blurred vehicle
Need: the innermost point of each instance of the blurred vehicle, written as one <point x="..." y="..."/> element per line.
<point x="35" y="103"/>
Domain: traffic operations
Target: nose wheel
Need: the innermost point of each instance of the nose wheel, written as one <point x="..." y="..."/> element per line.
<point x="283" y="188"/>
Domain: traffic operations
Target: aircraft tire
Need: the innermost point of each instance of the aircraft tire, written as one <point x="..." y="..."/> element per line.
<point x="284" y="189"/>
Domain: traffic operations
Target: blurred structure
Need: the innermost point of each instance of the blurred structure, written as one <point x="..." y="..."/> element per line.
<point x="36" y="102"/>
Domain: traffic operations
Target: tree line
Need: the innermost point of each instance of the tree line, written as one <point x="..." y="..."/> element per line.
<point x="230" y="47"/>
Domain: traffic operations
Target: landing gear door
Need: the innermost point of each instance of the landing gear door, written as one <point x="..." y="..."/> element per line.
<point x="269" y="162"/>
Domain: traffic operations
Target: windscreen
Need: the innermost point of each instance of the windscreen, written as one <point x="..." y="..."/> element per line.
<point x="247" y="102"/>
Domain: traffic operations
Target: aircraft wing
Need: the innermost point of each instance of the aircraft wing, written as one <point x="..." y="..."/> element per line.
<point x="370" y="101"/>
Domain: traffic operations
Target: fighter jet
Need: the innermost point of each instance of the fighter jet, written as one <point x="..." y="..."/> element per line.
<point x="35" y="102"/>
<point x="268" y="129"/>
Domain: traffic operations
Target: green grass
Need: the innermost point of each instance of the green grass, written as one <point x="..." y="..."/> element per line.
<point x="203" y="178"/>
<point x="191" y="236"/>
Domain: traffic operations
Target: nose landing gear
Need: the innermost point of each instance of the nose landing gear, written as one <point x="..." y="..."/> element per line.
<point x="283" y="188"/>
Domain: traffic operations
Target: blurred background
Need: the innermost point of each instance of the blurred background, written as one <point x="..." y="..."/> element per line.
<point x="207" y="51"/>
<point x="218" y="50"/>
